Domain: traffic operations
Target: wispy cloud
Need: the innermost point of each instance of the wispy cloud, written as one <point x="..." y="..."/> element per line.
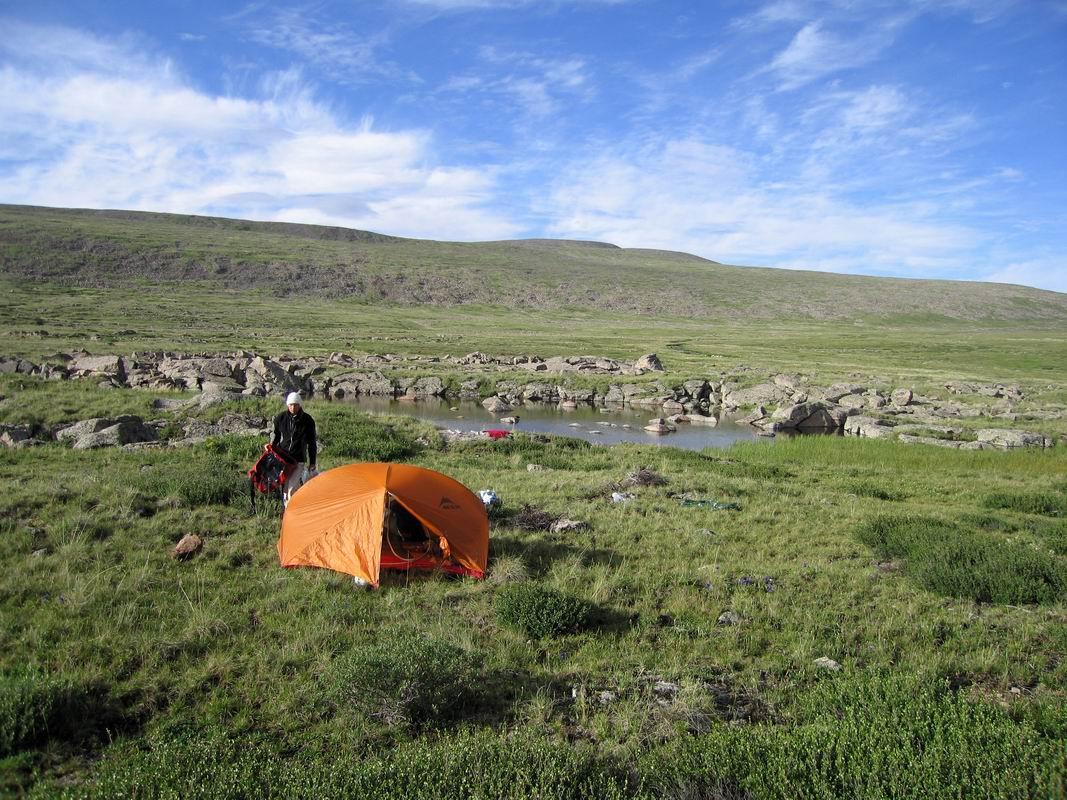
<point x="347" y="55"/>
<point x="536" y="84"/>
<point x="815" y="52"/>
<point x="454" y="5"/>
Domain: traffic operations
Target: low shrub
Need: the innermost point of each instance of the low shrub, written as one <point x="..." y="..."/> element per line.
<point x="28" y="701"/>
<point x="212" y="480"/>
<point x="1053" y="535"/>
<point x="1045" y="503"/>
<point x="36" y="706"/>
<point x="866" y="489"/>
<point x="205" y="765"/>
<point x="539" y="612"/>
<point x="959" y="562"/>
<point x="350" y="435"/>
<point x="867" y="737"/>
<point x="408" y="681"/>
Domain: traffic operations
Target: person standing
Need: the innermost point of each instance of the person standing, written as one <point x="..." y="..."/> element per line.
<point x="294" y="432"/>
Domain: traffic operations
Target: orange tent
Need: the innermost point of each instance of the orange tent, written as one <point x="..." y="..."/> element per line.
<point x="336" y="521"/>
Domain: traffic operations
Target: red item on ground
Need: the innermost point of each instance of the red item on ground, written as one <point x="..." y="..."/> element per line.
<point x="497" y="434"/>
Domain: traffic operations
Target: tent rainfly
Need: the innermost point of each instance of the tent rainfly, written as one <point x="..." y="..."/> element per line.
<point x="361" y="518"/>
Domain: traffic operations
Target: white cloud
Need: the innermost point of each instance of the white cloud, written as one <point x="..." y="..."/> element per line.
<point x="537" y="86"/>
<point x="718" y="202"/>
<point x="462" y="5"/>
<point x="875" y="107"/>
<point x="344" y="54"/>
<point x="103" y="138"/>
<point x="1044" y="273"/>
<point x="814" y="53"/>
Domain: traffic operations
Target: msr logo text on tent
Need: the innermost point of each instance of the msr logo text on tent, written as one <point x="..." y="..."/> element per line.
<point x="448" y="504"/>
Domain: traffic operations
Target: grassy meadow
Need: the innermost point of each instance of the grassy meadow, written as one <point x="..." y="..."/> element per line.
<point x="586" y="664"/>
<point x="820" y="617"/>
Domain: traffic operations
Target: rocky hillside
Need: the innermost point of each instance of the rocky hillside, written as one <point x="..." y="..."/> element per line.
<point x="124" y="248"/>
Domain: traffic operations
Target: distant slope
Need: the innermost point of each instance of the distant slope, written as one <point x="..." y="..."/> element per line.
<point x="123" y="248"/>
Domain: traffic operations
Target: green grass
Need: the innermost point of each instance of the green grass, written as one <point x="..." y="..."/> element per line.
<point x="404" y="680"/>
<point x="539" y="612"/>
<point x="873" y="738"/>
<point x="953" y="560"/>
<point x="589" y="664"/>
<point x="120" y="248"/>
<point x="899" y="353"/>
<point x="229" y="656"/>
<point x="1045" y="503"/>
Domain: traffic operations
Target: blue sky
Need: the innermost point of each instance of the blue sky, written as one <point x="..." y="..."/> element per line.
<point x="914" y="138"/>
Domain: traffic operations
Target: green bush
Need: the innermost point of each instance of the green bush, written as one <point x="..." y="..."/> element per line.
<point x="959" y="562"/>
<point x="36" y="706"/>
<point x="28" y="701"/>
<point x="353" y="436"/>
<point x="211" y="480"/>
<point x="208" y="765"/>
<point x="408" y="680"/>
<point x="539" y="612"/>
<point x="882" y="737"/>
<point x="866" y="489"/>
<point x="1053" y="535"/>
<point x="1045" y="503"/>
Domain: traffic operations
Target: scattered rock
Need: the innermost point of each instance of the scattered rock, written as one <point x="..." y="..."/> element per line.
<point x="659" y="426"/>
<point x="496" y="404"/>
<point x="169" y="404"/>
<point x="1009" y="439"/>
<point x="536" y="468"/>
<point x="823" y="662"/>
<point x="729" y="618"/>
<point x="665" y="690"/>
<point x="764" y="394"/>
<point x="124" y="430"/>
<point x="17" y="436"/>
<point x="870" y="427"/>
<point x="187" y="547"/>
<point x="569" y="526"/>
<point x="649" y="362"/>
<point x="902" y="397"/>
<point x="813" y="415"/>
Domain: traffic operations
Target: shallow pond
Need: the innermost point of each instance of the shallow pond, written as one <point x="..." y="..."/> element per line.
<point x="605" y="426"/>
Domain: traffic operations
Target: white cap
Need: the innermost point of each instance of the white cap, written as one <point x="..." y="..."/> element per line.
<point x="294" y="397"/>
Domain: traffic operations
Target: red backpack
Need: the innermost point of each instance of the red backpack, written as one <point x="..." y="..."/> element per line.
<point x="270" y="472"/>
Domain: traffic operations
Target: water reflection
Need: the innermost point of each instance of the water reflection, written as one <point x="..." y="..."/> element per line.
<point x="609" y="425"/>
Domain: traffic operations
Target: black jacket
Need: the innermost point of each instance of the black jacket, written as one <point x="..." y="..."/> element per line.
<point x="295" y="433"/>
